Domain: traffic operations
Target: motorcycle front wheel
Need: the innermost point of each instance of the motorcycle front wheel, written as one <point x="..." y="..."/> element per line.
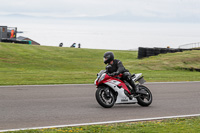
<point x="144" y="100"/>
<point x="103" y="99"/>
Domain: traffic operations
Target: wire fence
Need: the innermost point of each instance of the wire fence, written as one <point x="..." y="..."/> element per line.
<point x="190" y="45"/>
<point x="0" y="33"/>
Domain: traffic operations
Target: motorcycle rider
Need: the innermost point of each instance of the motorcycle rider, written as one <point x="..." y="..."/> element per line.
<point x="115" y="67"/>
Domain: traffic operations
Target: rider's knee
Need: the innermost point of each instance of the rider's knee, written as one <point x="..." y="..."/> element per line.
<point x="127" y="76"/>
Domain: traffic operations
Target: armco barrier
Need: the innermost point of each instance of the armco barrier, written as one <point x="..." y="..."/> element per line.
<point x="146" y="52"/>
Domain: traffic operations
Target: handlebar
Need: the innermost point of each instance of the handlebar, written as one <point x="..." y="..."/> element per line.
<point x="110" y="74"/>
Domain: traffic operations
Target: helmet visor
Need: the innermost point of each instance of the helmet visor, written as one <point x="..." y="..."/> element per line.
<point x="104" y="59"/>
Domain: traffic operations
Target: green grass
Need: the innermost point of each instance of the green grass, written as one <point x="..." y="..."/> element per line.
<point x="180" y="125"/>
<point x="27" y="65"/>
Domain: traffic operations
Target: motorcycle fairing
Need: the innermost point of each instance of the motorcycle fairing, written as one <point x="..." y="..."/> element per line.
<point x="118" y="86"/>
<point x="117" y="82"/>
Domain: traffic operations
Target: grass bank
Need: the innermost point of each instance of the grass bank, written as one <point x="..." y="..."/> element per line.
<point x="180" y="125"/>
<point x="27" y="65"/>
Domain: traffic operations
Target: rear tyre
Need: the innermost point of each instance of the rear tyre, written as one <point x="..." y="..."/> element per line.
<point x="144" y="100"/>
<point x="104" y="100"/>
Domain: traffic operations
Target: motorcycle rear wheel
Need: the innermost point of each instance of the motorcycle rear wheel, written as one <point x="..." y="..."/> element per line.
<point x="103" y="100"/>
<point x="145" y="100"/>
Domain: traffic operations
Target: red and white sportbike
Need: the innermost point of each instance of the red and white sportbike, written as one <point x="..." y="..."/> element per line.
<point x="111" y="90"/>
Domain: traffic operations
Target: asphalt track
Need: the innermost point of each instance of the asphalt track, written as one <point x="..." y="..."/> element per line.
<point x="50" y="105"/>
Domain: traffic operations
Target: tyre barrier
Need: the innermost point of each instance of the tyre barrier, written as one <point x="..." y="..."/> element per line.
<point x="142" y="52"/>
<point x="146" y="52"/>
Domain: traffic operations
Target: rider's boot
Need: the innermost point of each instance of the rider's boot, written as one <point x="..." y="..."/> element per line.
<point x="135" y="91"/>
<point x="134" y="88"/>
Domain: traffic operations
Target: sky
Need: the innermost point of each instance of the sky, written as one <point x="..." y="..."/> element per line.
<point x="105" y="23"/>
<point x="131" y="10"/>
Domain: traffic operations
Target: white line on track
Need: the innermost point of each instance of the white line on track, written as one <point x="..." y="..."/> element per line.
<point x="44" y="85"/>
<point x="107" y="122"/>
<point x="182" y="82"/>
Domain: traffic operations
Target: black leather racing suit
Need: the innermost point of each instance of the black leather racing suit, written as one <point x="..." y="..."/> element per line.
<point x="117" y="68"/>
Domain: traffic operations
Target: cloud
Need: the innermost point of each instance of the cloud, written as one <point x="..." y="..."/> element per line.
<point x="165" y="9"/>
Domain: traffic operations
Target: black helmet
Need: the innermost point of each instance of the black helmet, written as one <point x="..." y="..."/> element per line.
<point x="108" y="57"/>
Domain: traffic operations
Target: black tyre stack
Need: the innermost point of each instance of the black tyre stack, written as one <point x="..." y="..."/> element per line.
<point x="164" y="50"/>
<point x="150" y="52"/>
<point x="141" y="52"/>
<point x="146" y="52"/>
<point x="157" y="51"/>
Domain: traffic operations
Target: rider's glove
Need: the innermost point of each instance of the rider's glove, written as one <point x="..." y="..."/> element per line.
<point x="108" y="66"/>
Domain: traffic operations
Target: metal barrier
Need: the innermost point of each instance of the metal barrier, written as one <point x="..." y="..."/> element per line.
<point x="14" y="41"/>
<point x="190" y="45"/>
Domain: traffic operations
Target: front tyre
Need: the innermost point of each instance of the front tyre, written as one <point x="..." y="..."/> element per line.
<point x="103" y="99"/>
<point x="144" y="100"/>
